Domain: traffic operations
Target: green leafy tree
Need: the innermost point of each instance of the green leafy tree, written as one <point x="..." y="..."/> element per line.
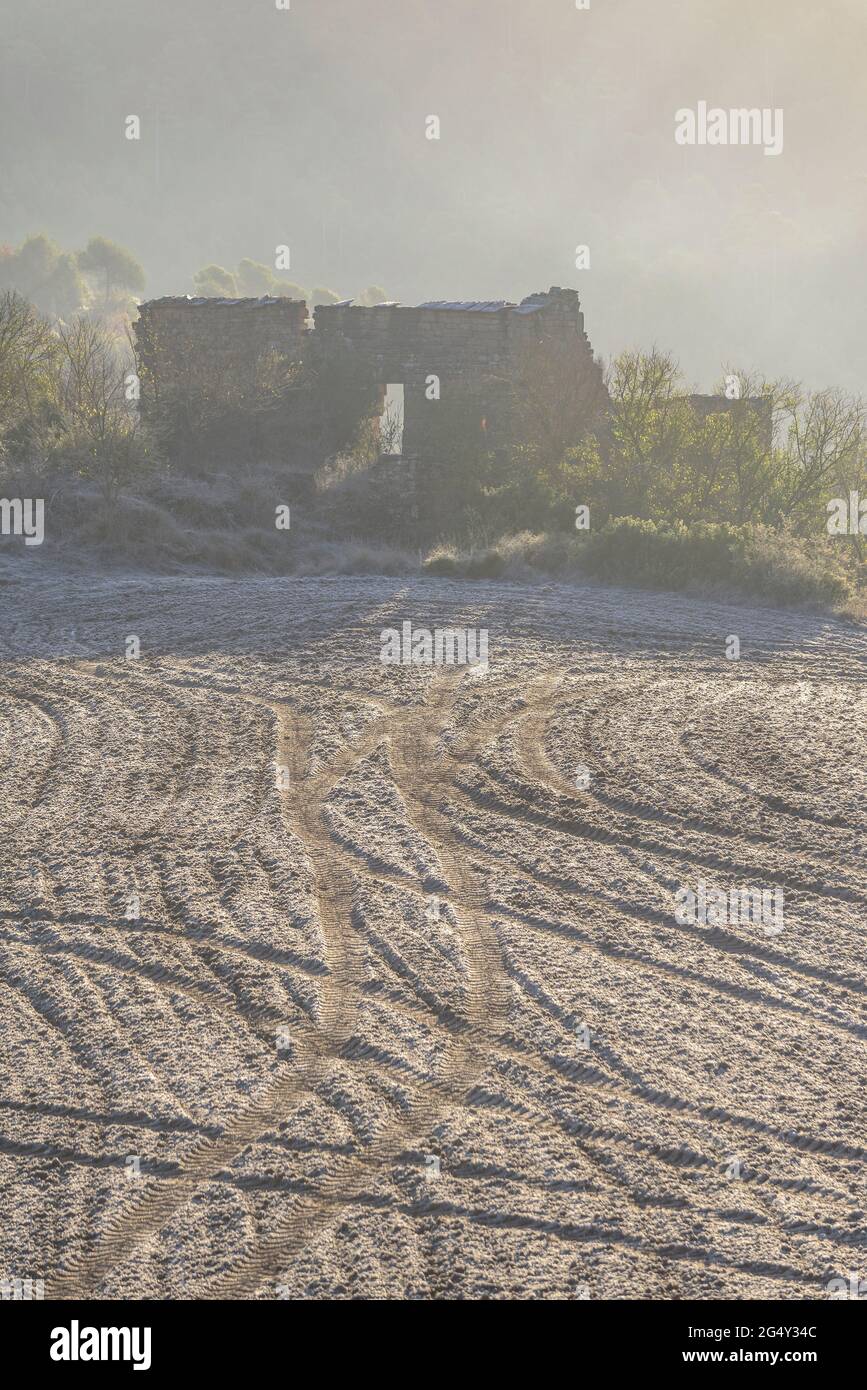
<point x="116" y="268"/>
<point x="824" y="451"/>
<point x="374" y="294"/>
<point x="215" y="282"/>
<point x="31" y="270"/>
<point x="254" y="278"/>
<point x="287" y="289"/>
<point x="65" y="288"/>
<point x="32" y="264"/>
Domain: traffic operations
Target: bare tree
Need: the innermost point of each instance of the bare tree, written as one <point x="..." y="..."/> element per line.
<point x="104" y="439"/>
<point x="28" y="353"/>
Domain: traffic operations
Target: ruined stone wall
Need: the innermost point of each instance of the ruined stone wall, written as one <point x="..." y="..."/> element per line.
<point x="458" y="364"/>
<point x="476" y="349"/>
<point x="408" y="344"/>
<point x="181" y="340"/>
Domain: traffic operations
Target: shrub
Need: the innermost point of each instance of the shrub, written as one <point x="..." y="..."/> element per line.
<point x="667" y="555"/>
<point x="489" y="565"/>
<point x="752" y="560"/>
<point x="790" y="569"/>
<point x="443" y="560"/>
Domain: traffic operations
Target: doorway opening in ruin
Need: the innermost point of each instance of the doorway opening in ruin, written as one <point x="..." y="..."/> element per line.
<point x="391" y="420"/>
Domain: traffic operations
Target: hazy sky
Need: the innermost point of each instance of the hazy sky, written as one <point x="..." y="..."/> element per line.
<point x="307" y="127"/>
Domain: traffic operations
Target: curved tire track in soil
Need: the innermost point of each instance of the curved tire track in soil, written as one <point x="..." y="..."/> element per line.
<point x="415" y="764"/>
<point x="311" y="1056"/>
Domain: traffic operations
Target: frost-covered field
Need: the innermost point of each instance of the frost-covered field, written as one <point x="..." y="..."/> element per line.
<point x="326" y="978"/>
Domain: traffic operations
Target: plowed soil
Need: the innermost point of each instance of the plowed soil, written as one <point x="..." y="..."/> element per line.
<point x="323" y="978"/>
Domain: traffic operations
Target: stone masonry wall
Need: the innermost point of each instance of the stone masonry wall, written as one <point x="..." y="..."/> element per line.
<point x="202" y="346"/>
<point x="180" y="340"/>
<point x="467" y="348"/>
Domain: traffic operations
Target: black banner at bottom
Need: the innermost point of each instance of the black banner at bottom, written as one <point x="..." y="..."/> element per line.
<point x="160" y="1338"/>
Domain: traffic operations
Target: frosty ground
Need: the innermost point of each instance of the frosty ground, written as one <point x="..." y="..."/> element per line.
<point x="321" y="977"/>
